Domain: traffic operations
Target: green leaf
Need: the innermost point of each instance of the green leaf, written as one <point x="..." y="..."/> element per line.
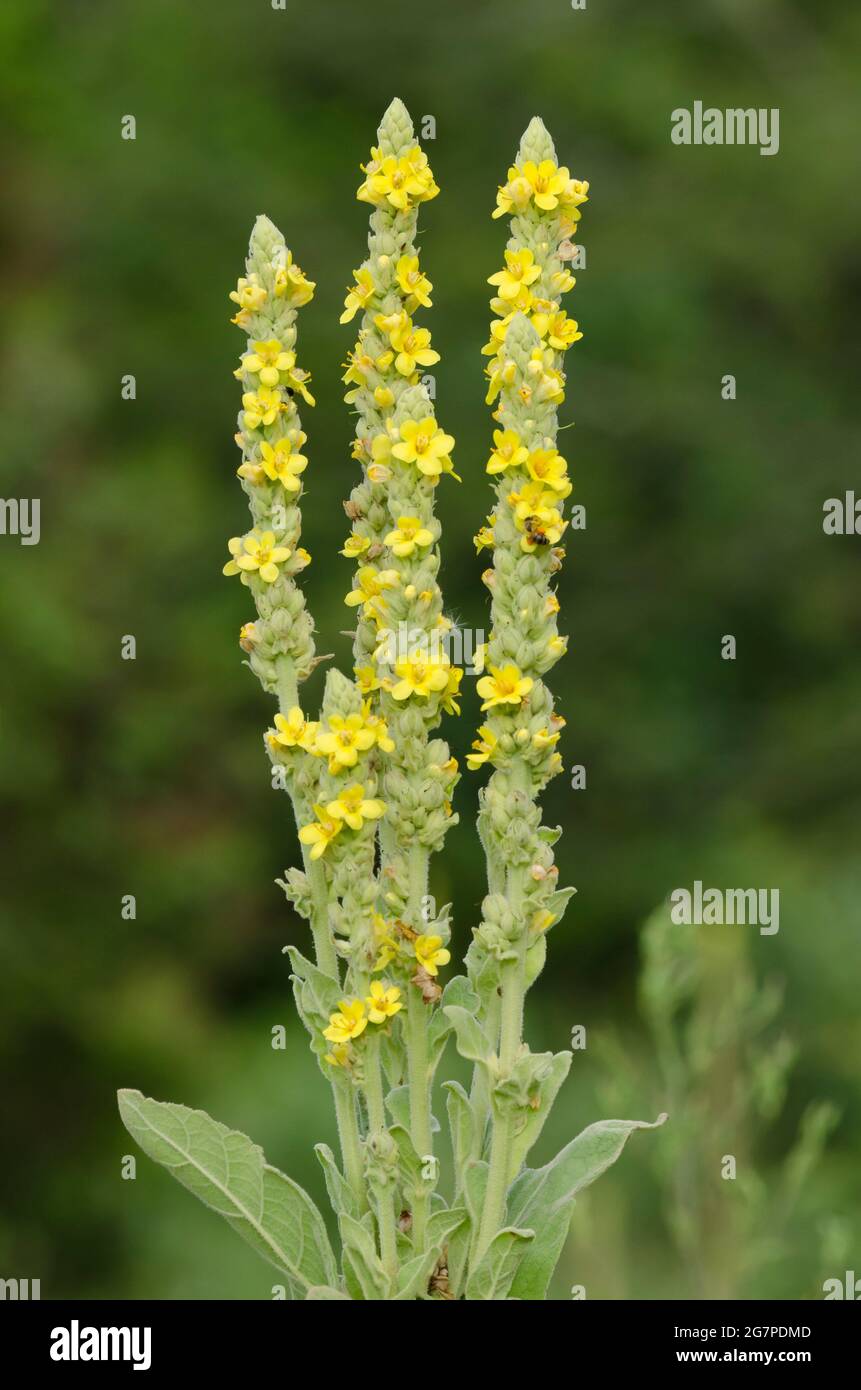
<point x="544" y="1197"/>
<point x="493" y="1275"/>
<point x="443" y="1224"/>
<point x="540" y="1105"/>
<point x="340" y="1193"/>
<point x="230" y="1174"/>
<point x="460" y="993"/>
<point x="471" y="1042"/>
<point x="414" y="1275"/>
<point x="535" y="958"/>
<point x="461" y="1123"/>
<point x="398" y="1105"/>
<point x="322" y="1293"/>
<point x="365" y="1265"/>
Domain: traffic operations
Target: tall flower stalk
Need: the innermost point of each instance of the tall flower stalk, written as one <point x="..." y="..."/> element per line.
<point x="529" y="336"/>
<point x="402" y="663"/>
<point x="371" y="783"/>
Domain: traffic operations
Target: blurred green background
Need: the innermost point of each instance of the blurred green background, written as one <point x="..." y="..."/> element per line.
<point x="704" y="518"/>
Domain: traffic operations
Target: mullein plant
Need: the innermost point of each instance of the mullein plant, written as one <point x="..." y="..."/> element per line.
<point x="371" y="783"/>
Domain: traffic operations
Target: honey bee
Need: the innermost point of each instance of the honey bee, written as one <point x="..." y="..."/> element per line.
<point x="535" y="531"/>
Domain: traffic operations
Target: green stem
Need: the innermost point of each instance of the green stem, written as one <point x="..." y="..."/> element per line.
<point x="383" y="1192"/>
<point x="417" y="1051"/>
<point x="480" y="1091"/>
<point x="511" y="1024"/>
<point x="324" y="944"/>
<point x="350" y="1142"/>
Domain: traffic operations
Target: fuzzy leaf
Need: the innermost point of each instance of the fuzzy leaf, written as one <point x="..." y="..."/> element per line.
<point x="322" y="1293"/>
<point x="461" y="1123"/>
<point x="398" y="1105"/>
<point x="443" y="1224"/>
<point x="459" y="993"/>
<point x="365" y="1264"/>
<point x="230" y="1174"/>
<point x="340" y="1194"/>
<point x="471" y="1042"/>
<point x="542" y="1100"/>
<point x="492" y="1276"/>
<point x="535" y="958"/>
<point x="544" y="1197"/>
<point x="414" y="1275"/>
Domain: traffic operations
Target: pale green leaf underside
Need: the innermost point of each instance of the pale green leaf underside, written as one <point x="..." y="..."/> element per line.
<point x="230" y="1174"/>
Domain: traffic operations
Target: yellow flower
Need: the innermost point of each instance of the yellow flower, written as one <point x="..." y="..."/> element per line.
<point x="249" y="294"/>
<point x="541" y="920"/>
<point x="542" y="738"/>
<point x="508" y="452"/>
<point x="397" y="181"/>
<point x="423" y="443"/>
<point x="267" y="360"/>
<point x="412" y="281"/>
<point x="520" y="269"/>
<point x="261" y="407"/>
<point x="532" y="500"/>
<point x="281" y="464"/>
<point x="419" y="675"/>
<point x="557" y="328"/>
<point x="412" y="346"/>
<point x="504" y="686"/>
<point x="548" y="467"/>
<point x="293" y="730"/>
<point x="549" y="183"/>
<point x="291" y="284"/>
<point x="359" y="295"/>
<point x="450" y="694"/>
<point x="367" y="679"/>
<point x="516" y="193"/>
<point x="484" y="538"/>
<point x="431" y="953"/>
<point x="354" y="546"/>
<point x="341" y="1054"/>
<point x="371" y="584"/>
<point x="349" y="1023"/>
<point x="378" y="727"/>
<point x="354" y="808"/>
<point x="344" y="740"/>
<point x="320" y="834"/>
<point x="256" y="551"/>
<point x="382" y="1001"/>
<point x="388" y="945"/>
<point x="483" y="747"/>
<point x="408" y="534"/>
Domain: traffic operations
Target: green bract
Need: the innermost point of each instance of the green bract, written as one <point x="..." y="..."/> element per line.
<point x="370" y="782"/>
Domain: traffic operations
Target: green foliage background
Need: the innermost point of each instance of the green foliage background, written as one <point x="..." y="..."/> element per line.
<point x="704" y="518"/>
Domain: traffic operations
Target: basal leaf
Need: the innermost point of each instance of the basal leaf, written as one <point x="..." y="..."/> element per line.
<point x="414" y="1276"/>
<point x="366" y="1266"/>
